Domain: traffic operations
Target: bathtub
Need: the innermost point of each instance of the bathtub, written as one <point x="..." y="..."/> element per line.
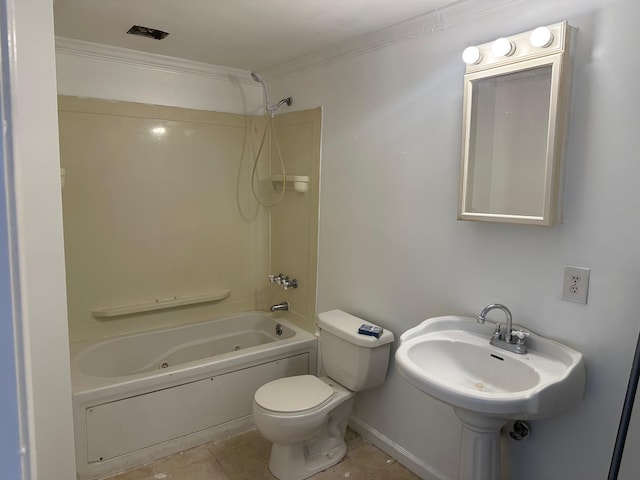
<point x="142" y="396"/>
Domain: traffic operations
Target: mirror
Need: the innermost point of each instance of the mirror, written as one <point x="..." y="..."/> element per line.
<point x="513" y="125"/>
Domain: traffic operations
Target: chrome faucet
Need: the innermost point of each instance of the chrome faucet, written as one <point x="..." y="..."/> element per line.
<point x="280" y="307"/>
<point x="505" y="340"/>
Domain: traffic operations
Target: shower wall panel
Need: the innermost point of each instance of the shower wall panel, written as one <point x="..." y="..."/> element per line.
<point x="294" y="221"/>
<point x="157" y="204"/>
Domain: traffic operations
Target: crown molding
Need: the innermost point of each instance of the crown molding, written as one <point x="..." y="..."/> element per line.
<point x="125" y="56"/>
<point x="418" y="27"/>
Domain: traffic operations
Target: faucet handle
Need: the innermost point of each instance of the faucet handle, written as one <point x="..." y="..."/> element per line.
<point x="521" y="334"/>
<point x="496" y="331"/>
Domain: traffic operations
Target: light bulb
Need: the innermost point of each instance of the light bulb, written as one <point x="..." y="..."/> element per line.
<point x="541" y="37"/>
<point x="502" y="47"/>
<point x="471" y="55"/>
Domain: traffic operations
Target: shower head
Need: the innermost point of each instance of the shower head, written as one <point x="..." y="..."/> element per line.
<point x="265" y="91"/>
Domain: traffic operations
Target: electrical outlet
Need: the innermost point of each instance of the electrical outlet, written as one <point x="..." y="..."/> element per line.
<point x="576" y="284"/>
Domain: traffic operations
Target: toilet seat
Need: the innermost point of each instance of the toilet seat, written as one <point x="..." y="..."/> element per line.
<point x="293" y="394"/>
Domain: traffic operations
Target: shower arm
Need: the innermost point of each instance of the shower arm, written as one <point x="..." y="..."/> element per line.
<point x="272" y="108"/>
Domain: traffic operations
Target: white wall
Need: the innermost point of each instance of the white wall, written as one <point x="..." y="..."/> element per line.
<point x="40" y="245"/>
<point x="390" y="164"/>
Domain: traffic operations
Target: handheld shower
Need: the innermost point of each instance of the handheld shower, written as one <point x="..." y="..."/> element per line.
<point x="270" y="108"/>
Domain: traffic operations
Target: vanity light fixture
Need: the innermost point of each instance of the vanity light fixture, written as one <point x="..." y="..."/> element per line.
<point x="539" y="42"/>
<point x="541" y="37"/>
<point x="471" y="55"/>
<point x="502" y="47"/>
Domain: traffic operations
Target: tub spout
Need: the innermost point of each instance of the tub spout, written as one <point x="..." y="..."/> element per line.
<point x="280" y="307"/>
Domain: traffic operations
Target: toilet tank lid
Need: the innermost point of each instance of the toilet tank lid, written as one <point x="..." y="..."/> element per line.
<point x="344" y="325"/>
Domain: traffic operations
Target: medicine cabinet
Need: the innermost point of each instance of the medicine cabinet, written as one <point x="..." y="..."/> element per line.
<point x="514" y="115"/>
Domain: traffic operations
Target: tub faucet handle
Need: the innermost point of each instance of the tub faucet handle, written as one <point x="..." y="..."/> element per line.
<point x="286" y="283"/>
<point x="283" y="281"/>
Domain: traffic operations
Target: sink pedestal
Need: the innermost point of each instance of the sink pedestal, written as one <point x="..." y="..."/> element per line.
<point x="479" y="446"/>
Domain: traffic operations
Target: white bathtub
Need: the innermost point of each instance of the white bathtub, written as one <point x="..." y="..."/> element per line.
<point x="143" y="396"/>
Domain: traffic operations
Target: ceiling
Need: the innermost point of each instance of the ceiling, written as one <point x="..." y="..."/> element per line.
<point x="253" y="35"/>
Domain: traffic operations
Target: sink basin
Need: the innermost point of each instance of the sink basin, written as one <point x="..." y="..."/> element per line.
<point x="450" y="359"/>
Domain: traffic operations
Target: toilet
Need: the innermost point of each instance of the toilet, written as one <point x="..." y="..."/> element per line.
<point x="305" y="417"/>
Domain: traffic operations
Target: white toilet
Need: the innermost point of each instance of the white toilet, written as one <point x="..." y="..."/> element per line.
<point x="305" y="417"/>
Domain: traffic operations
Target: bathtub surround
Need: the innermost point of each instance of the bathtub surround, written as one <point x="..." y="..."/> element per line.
<point x="157" y="206"/>
<point x="158" y="210"/>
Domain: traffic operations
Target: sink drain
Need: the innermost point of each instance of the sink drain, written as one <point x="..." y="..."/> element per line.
<point x="164" y="365"/>
<point x="236" y="348"/>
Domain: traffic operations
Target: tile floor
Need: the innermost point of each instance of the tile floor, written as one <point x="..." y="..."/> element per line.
<point x="246" y="456"/>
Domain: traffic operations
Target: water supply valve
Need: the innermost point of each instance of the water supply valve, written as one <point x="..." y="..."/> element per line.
<point x="283" y="281"/>
<point x="286" y="283"/>
<point x="520" y="430"/>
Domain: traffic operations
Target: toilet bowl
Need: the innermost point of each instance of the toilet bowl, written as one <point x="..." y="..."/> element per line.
<point x="307" y="434"/>
<point x="305" y="417"/>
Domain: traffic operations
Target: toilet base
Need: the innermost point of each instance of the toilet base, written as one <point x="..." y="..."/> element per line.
<point x="299" y="460"/>
<point x="287" y="462"/>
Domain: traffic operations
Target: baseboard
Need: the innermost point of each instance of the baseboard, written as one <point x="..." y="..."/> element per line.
<point x="391" y="448"/>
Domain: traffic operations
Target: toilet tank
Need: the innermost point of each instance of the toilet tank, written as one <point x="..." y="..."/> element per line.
<point x="355" y="361"/>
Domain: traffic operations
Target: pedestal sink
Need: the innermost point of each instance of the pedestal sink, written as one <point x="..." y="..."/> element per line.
<point x="450" y="359"/>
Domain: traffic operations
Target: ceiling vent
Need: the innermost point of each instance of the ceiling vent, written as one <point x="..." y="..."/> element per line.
<point x="147" y="32"/>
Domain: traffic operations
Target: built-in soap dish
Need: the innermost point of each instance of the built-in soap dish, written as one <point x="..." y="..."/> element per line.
<point x="300" y="183"/>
